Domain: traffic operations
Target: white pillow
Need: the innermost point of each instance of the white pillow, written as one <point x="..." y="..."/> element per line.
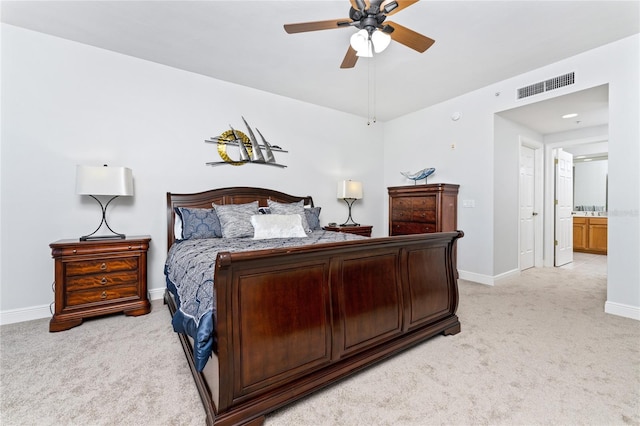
<point x="267" y="226"/>
<point x="177" y="227"/>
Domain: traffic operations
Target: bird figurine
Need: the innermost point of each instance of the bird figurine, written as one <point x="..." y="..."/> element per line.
<point x="419" y="175"/>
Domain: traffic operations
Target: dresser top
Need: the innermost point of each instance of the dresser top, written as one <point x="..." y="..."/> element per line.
<point x="429" y="187"/>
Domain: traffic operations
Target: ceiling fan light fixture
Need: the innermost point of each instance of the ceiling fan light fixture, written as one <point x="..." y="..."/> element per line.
<point x="380" y="40"/>
<point x="367" y="52"/>
<point x="360" y="40"/>
<point x="365" y="46"/>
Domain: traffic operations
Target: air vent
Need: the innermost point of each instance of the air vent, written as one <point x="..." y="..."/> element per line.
<point x="545" y="86"/>
<point x="530" y="90"/>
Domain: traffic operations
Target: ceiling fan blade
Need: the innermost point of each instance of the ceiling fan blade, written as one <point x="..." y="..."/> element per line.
<point x="350" y="58"/>
<point x="410" y="38"/>
<point x="354" y="4"/>
<point x="316" y="26"/>
<point x="402" y="4"/>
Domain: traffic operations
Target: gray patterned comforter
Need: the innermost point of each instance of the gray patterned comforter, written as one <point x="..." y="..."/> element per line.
<point x="189" y="273"/>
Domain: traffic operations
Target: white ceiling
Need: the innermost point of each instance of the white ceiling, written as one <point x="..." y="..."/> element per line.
<point x="477" y="43"/>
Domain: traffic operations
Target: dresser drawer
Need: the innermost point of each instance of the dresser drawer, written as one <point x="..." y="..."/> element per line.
<point x="404" y="228"/>
<point x="85" y="267"/>
<point x="83" y="297"/>
<point x="424" y="216"/>
<point x="423" y="203"/>
<point x="415" y="215"/>
<point x="401" y="214"/>
<point x="83" y="282"/>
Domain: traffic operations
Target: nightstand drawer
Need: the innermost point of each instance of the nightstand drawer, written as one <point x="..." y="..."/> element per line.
<point x="83" y="282"/>
<point x="404" y="228"/>
<point x="101" y="265"/>
<point x="75" y="298"/>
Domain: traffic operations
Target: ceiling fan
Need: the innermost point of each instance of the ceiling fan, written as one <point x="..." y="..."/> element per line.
<point x="375" y="34"/>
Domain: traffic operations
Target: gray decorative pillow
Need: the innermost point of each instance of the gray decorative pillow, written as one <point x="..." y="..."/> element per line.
<point x="313" y="217"/>
<point x="199" y="223"/>
<point x="290" y="208"/>
<point x="235" y="219"/>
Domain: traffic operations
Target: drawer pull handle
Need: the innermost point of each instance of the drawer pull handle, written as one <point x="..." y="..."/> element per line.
<point x="104" y="295"/>
<point x="103" y="266"/>
<point x="103" y="280"/>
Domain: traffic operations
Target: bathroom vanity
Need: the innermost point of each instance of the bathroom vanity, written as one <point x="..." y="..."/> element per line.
<point x="590" y="234"/>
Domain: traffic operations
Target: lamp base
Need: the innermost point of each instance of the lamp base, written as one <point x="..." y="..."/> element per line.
<point x="350" y="224"/>
<point x="349" y="221"/>
<point x="115" y="235"/>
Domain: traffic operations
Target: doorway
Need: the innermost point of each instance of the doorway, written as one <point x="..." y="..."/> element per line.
<point x="543" y="121"/>
<point x="530" y="204"/>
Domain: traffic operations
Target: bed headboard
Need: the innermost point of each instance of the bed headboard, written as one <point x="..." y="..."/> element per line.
<point x="232" y="195"/>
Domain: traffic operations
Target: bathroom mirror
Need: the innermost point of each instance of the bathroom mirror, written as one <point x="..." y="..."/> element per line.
<point x="590" y="179"/>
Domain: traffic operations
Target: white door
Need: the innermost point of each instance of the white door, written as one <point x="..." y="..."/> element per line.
<point x="564" y="208"/>
<point x="527" y="206"/>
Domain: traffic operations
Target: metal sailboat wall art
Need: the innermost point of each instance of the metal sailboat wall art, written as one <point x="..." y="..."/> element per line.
<point x="249" y="149"/>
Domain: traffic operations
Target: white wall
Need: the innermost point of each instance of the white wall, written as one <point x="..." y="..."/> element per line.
<point x="506" y="184"/>
<point x="424" y="139"/>
<point x="65" y="103"/>
<point x="478" y="163"/>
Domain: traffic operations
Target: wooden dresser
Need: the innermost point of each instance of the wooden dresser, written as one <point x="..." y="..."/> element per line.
<point x="419" y="209"/>
<point x="99" y="277"/>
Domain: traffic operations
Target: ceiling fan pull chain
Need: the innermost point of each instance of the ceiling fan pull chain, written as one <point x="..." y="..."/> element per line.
<point x="371" y="91"/>
<point x="368" y="93"/>
<point x="374" y="87"/>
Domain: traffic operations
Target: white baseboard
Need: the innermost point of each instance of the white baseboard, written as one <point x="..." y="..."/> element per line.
<point x="485" y="279"/>
<point x="621" y="310"/>
<point x="24" y="314"/>
<point x="156" y="293"/>
<point x="476" y="278"/>
<point x="39" y="312"/>
<point x="506" y="274"/>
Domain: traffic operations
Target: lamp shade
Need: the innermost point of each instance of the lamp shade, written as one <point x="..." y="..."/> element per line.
<point x="104" y="180"/>
<point x="350" y="189"/>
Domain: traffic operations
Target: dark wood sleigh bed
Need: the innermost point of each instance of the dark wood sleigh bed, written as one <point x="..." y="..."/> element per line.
<point x="291" y="321"/>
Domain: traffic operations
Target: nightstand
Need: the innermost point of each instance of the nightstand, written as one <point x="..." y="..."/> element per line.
<point x="363" y="230"/>
<point x="99" y="277"/>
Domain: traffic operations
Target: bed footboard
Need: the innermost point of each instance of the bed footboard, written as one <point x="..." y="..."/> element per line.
<point x="291" y="321"/>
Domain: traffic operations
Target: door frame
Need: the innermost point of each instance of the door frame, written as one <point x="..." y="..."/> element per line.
<point x="549" y="192"/>
<point x="539" y="200"/>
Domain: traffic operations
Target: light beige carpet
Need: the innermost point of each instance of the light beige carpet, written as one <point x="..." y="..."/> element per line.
<point x="534" y="349"/>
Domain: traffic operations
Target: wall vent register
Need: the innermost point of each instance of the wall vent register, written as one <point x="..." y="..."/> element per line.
<point x="545" y="86"/>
